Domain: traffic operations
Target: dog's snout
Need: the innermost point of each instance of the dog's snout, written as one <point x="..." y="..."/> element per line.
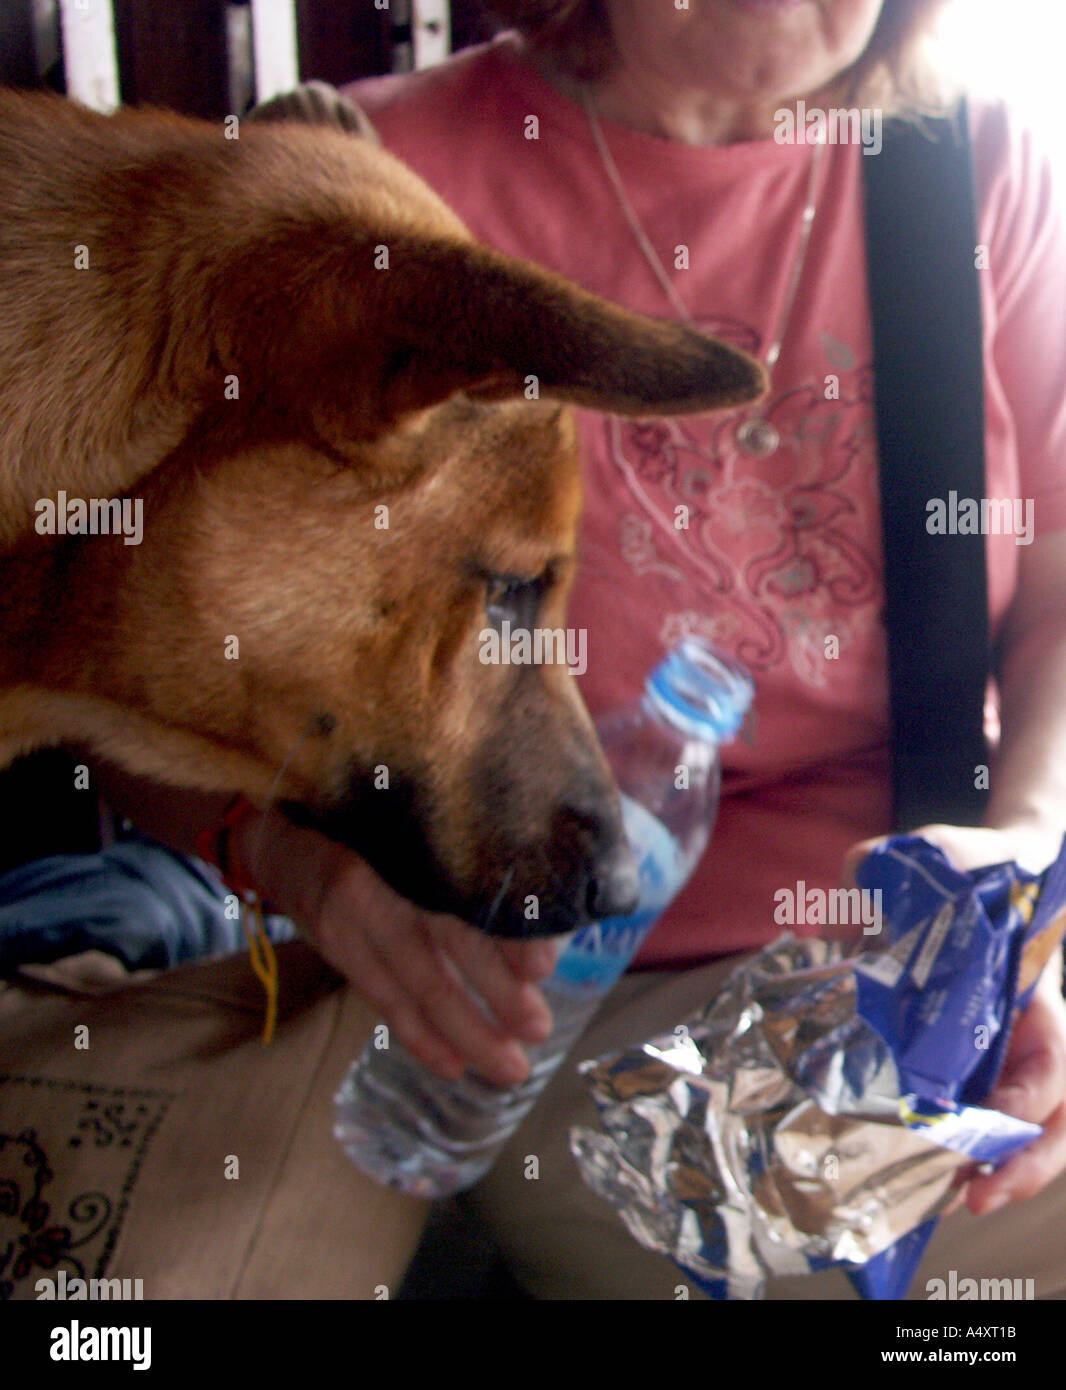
<point x="614" y="887"/>
<point x="612" y="879"/>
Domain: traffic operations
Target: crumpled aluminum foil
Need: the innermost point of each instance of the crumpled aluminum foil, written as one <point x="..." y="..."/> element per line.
<point x="769" y="1135"/>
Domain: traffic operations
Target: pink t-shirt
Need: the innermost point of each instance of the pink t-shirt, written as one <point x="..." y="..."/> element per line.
<point x="780" y="554"/>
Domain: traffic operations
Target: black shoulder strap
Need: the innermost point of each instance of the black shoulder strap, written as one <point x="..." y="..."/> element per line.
<point x="929" y="384"/>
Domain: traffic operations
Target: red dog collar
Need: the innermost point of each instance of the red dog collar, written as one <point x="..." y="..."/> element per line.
<point x="215" y="845"/>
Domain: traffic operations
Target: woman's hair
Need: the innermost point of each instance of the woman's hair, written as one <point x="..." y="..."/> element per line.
<point x="894" y="73"/>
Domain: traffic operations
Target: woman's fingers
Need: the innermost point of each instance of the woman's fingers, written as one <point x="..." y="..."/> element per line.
<point x="854" y="857"/>
<point x="1031" y="1087"/>
<point x="967" y="847"/>
<point x="1033" y="1080"/>
<point x="516" y="1003"/>
<point x="1027" y="1173"/>
<point x="436" y="983"/>
<point x="532" y="960"/>
<point x="374" y="980"/>
<point x="414" y="968"/>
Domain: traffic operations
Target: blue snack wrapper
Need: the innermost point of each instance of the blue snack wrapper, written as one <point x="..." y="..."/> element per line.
<point x="970" y="948"/>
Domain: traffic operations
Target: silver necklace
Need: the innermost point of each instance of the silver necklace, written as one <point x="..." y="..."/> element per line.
<point x="755" y="435"/>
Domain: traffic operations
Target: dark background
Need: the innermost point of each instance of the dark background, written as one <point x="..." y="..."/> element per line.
<point x="174" y="53"/>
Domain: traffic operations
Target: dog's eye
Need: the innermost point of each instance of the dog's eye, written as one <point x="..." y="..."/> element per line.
<point x="513" y="600"/>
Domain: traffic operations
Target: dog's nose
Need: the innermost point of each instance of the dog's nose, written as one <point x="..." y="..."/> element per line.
<point x="614" y="888"/>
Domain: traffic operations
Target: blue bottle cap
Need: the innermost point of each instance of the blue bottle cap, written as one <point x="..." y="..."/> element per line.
<point x="701" y="690"/>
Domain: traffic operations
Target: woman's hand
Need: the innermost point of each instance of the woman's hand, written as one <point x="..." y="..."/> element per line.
<point x="1032" y="1085"/>
<point x="409" y="964"/>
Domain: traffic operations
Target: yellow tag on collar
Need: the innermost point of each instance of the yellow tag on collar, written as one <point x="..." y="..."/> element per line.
<point x="264" y="961"/>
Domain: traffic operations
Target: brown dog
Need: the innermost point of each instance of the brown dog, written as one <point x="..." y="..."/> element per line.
<point x="269" y="467"/>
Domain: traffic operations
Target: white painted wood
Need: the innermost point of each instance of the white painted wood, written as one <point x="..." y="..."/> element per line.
<point x="89" y="56"/>
<point x="431" y="31"/>
<point x="274" y="53"/>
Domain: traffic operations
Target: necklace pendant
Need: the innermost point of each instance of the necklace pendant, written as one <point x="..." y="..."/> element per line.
<point x="757" y="438"/>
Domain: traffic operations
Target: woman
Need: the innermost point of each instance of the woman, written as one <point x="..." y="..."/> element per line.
<point x="629" y="145"/>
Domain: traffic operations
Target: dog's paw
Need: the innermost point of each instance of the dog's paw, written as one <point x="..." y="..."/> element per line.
<point x="317" y="103"/>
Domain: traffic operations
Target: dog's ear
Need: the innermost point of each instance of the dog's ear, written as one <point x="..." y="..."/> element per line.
<point x="455" y="316"/>
<point x="461" y="317"/>
<point x="356" y="334"/>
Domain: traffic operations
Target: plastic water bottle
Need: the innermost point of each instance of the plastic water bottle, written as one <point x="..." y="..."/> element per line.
<point x="431" y="1137"/>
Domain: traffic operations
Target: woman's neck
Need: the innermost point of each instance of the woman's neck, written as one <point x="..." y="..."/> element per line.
<point x="643" y="101"/>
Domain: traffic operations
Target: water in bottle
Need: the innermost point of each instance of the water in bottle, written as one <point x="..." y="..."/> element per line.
<point x="432" y="1137"/>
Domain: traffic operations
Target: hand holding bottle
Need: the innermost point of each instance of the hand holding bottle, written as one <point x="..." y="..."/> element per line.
<point x="407" y="963"/>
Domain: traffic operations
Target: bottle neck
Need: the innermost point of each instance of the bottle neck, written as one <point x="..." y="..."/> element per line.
<point x="674" y="725"/>
<point x="698" y="693"/>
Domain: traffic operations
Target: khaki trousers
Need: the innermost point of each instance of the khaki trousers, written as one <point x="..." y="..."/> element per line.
<point x="146" y="1133"/>
<point x="172" y="1147"/>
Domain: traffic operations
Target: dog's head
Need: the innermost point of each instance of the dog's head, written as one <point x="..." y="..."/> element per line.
<point x="339" y="555"/>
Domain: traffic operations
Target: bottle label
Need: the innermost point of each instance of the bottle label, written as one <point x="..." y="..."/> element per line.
<point x="598" y="954"/>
